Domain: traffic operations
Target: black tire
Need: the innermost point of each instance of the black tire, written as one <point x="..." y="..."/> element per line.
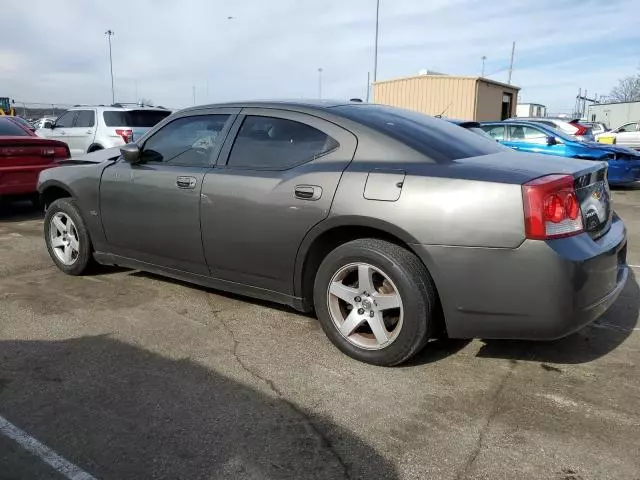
<point x="35" y="200"/>
<point x="413" y="283"/>
<point x="84" y="260"/>
<point x="95" y="148"/>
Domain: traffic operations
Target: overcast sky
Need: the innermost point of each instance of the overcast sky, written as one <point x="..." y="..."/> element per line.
<point x="56" y="51"/>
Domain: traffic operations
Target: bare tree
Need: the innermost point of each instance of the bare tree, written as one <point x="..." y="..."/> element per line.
<point x="627" y="90"/>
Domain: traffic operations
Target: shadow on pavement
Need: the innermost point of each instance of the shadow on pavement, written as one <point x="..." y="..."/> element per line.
<point x="121" y="412"/>
<point x="19" y="211"/>
<point x="588" y="344"/>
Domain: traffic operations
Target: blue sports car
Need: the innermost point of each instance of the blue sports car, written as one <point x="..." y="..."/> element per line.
<point x="624" y="163"/>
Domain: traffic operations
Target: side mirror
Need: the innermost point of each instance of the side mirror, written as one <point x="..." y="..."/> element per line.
<point x="551" y="141"/>
<point x="48" y="125"/>
<point x="131" y="153"/>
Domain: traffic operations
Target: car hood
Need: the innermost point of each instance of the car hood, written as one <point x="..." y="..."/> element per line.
<point x="98" y="156"/>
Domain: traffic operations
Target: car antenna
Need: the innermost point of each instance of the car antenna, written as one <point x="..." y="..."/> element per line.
<point x="444" y="111"/>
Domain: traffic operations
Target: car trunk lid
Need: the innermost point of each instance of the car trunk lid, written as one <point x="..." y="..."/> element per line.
<point x="592" y="190"/>
<point x="21" y="151"/>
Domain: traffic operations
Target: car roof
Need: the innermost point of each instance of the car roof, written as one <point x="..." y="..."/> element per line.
<point x="119" y="107"/>
<point x="285" y="104"/>
<point x="519" y="122"/>
<point x="463" y="123"/>
<point x="542" y="119"/>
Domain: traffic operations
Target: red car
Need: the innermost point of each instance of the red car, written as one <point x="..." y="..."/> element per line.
<point x="23" y="155"/>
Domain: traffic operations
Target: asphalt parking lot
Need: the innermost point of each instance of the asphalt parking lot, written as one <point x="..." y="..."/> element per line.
<point x="126" y="375"/>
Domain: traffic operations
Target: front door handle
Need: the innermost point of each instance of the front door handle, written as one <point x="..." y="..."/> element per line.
<point x="308" y="192"/>
<point x="187" y="183"/>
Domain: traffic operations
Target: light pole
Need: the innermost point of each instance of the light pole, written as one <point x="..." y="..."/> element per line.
<point x="483" y="59"/>
<point x="109" y="34"/>
<point x="320" y="83"/>
<point x="375" y="54"/>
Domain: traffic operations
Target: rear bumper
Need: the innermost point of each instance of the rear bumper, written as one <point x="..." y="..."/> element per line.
<point x="540" y="290"/>
<point x="20" y="180"/>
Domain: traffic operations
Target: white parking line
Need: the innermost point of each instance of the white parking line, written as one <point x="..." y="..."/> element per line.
<point x="43" y="452"/>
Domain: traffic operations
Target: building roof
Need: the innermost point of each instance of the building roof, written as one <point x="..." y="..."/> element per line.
<point x="611" y="103"/>
<point x="453" y="77"/>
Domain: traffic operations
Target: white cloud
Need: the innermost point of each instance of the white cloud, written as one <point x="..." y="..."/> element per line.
<point x="58" y="53"/>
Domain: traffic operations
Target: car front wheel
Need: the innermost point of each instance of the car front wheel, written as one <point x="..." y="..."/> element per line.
<point x="375" y="301"/>
<point x="67" y="237"/>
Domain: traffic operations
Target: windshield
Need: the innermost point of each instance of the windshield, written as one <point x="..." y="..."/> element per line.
<point x="438" y="139"/>
<point x="134" y="118"/>
<point x="10" y="129"/>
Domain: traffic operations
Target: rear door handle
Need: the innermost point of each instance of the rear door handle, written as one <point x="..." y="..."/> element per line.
<point x="89" y="132"/>
<point x="187" y="183"/>
<point x="308" y="192"/>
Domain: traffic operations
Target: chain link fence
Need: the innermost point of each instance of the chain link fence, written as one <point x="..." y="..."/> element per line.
<point x="35" y="110"/>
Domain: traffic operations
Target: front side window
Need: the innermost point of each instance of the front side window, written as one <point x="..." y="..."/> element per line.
<point x="66" y="120"/>
<point x="526" y="134"/>
<point x="494" y="131"/>
<point x="629" y="127"/>
<point x="277" y="144"/>
<point x="187" y="141"/>
<point x="86" y="118"/>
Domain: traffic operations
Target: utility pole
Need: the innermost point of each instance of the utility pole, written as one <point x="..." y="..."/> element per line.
<point x="194" y="94"/>
<point x="368" y="85"/>
<point x="109" y="34"/>
<point x="135" y="85"/>
<point x="513" y="51"/>
<point x="320" y="83"/>
<point x="483" y="59"/>
<point x="375" y="55"/>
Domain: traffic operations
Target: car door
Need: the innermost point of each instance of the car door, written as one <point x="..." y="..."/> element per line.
<point x="151" y="210"/>
<point x="628" y="135"/>
<point x="80" y="136"/>
<point x="532" y="139"/>
<point x="60" y="127"/>
<point x="274" y="181"/>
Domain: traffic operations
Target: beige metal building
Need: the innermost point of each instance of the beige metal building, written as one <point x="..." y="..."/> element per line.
<point x="464" y="98"/>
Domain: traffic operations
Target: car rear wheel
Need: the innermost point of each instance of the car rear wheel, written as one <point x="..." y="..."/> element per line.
<point x="67" y="237"/>
<point x="375" y="301"/>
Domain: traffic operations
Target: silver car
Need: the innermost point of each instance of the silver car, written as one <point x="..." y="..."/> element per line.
<point x="89" y="128"/>
<point x="393" y="226"/>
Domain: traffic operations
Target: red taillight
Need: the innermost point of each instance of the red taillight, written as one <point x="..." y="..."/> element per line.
<point x="126" y="134"/>
<point x="551" y="208"/>
<point x="56" y="152"/>
<point x="582" y="130"/>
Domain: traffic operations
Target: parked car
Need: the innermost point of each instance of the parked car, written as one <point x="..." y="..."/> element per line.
<point x="597" y="128"/>
<point x="570" y="126"/>
<point x="44" y="122"/>
<point x="87" y="129"/>
<point x="23" y="156"/>
<point x="394" y="226"/>
<point x="624" y="163"/>
<point x="627" y="135"/>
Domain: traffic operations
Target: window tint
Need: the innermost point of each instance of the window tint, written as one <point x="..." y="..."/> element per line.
<point x="277" y="144"/>
<point x="518" y="133"/>
<point x="133" y="118"/>
<point x="494" y="131"/>
<point x="629" y="127"/>
<point x="10" y="129"/>
<point x="437" y="139"/>
<point x="66" y="120"/>
<point x="86" y="118"/>
<point x="186" y="141"/>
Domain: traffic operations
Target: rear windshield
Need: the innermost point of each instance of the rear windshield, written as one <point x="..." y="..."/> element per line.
<point x="10" y="129"/>
<point x="438" y="139"/>
<point x="133" y="118"/>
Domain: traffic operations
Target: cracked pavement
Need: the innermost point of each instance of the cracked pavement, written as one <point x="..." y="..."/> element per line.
<point x="132" y="376"/>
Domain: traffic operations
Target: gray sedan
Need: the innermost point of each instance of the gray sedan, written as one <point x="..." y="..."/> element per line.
<point x="393" y="226"/>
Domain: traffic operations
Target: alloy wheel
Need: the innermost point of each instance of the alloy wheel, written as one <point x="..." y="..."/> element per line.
<point x="365" y="306"/>
<point x="63" y="237"/>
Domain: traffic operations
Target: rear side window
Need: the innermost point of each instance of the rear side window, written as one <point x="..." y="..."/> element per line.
<point x="520" y="133"/>
<point x="86" y="118"/>
<point x="133" y="118"/>
<point x="494" y="131"/>
<point x="277" y="144"/>
<point x="10" y="129"/>
<point x="438" y="139"/>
